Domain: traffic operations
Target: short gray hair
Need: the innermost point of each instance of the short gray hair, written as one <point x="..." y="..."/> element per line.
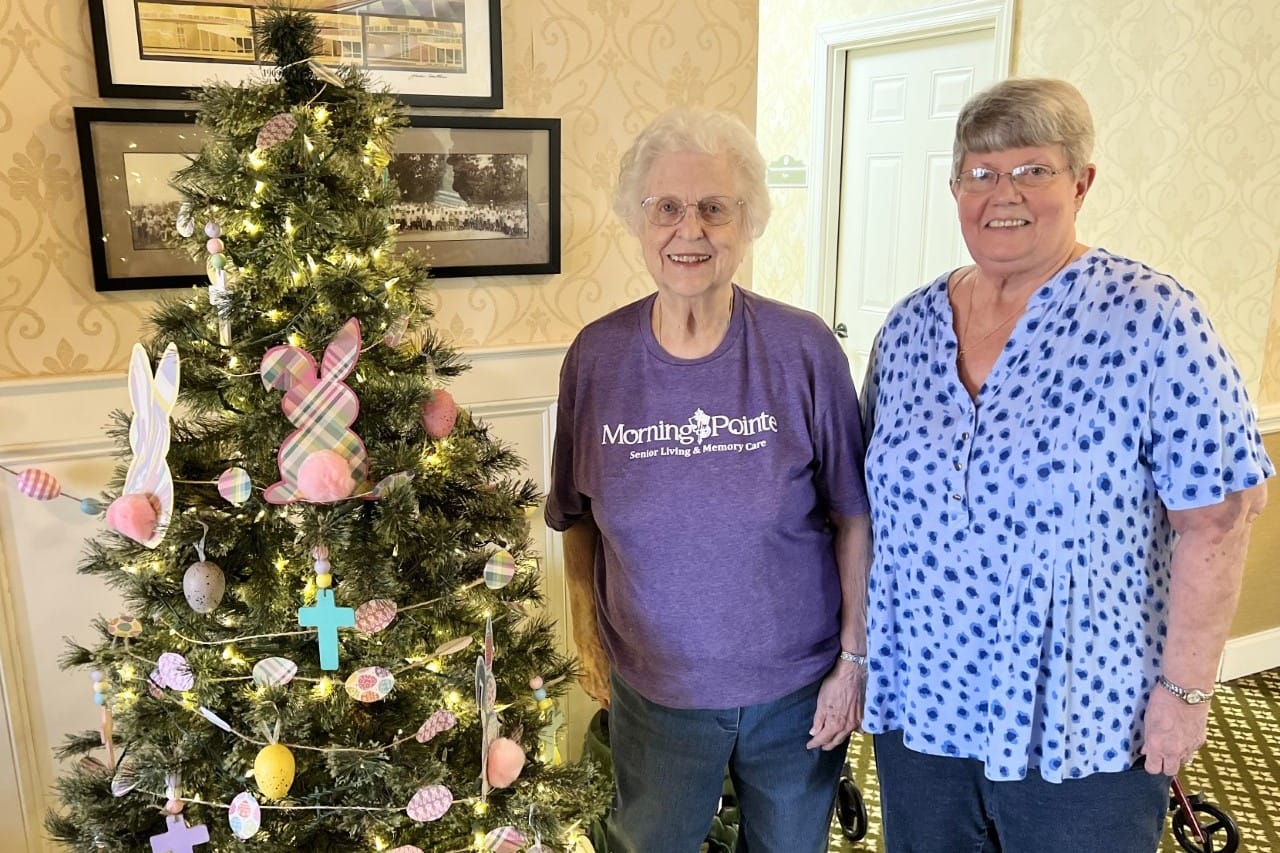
<point x="1025" y="113"/>
<point x="698" y="131"/>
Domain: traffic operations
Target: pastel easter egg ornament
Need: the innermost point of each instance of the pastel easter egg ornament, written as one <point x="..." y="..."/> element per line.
<point x="273" y="770"/>
<point x="38" y="485"/>
<point x="370" y="684"/>
<point x="374" y="616"/>
<point x="274" y="672"/>
<point x="325" y="477"/>
<point x="429" y="803"/>
<point x="277" y="129"/>
<point x="244" y="816"/>
<point x="235" y="486"/>
<point x="506" y="760"/>
<point x="439" y="414"/>
<point x="504" y="839"/>
<point x="204" y="584"/>
<point x="499" y="570"/>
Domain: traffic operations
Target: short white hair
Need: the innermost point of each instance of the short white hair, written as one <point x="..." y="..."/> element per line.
<point x="699" y="131"/>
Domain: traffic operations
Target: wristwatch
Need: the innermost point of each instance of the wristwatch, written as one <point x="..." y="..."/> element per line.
<point x="1191" y="696"/>
<point x="854" y="658"/>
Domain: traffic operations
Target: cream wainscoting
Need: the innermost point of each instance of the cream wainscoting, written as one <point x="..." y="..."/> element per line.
<point x="57" y="424"/>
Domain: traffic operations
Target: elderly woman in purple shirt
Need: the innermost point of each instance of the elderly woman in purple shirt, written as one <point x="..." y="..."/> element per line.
<point x="707" y="475"/>
<point x="1063" y="468"/>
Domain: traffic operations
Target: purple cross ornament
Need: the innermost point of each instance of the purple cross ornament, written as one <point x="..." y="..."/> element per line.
<point x="327" y="619"/>
<point x="179" y="838"/>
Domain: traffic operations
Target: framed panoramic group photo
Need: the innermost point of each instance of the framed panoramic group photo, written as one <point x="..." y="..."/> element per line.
<point x="478" y="196"/>
<point x="127" y="159"/>
<point x="429" y="53"/>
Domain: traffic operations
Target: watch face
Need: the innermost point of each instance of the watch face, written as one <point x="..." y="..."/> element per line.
<point x="1195" y="697"/>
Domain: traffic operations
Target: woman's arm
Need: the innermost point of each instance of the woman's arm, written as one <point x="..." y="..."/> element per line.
<point x="843" y="691"/>
<point x="1208" y="566"/>
<point x="580" y="544"/>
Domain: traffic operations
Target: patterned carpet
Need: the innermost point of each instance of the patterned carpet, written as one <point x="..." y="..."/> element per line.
<point x="1239" y="769"/>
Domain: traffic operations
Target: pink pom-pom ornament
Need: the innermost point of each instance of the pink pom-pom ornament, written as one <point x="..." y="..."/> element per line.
<point x="325" y="477"/>
<point x="439" y="414"/>
<point x="506" y="760"/>
<point x="134" y="515"/>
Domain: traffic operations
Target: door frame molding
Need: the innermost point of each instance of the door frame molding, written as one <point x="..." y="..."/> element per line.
<point x="833" y="46"/>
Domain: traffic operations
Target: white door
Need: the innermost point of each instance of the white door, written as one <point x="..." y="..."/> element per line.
<point x="897" y="223"/>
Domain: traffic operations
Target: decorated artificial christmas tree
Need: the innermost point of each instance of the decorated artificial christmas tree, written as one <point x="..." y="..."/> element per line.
<point x="331" y="639"/>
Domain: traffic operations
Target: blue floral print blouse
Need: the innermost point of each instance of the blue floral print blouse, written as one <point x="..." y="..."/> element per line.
<point x="1022" y="545"/>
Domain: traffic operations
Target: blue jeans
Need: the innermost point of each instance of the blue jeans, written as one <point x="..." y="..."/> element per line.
<point x="932" y="804"/>
<point x="669" y="766"/>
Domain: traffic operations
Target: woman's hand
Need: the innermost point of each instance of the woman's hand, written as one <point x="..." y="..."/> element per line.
<point x="1174" y="732"/>
<point x="595" y="669"/>
<point x="840" y="700"/>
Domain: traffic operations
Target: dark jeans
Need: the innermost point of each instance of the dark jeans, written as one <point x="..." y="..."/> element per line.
<point x="932" y="804"/>
<point x="669" y="766"/>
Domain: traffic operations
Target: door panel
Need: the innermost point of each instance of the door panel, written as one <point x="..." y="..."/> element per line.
<point x="897" y="219"/>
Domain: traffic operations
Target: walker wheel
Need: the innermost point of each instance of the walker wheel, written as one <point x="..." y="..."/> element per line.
<point x="851" y="810"/>
<point x="1221" y="835"/>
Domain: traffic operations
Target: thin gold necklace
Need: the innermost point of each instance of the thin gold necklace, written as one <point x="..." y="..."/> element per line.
<point x="961" y="349"/>
<point x="657" y="317"/>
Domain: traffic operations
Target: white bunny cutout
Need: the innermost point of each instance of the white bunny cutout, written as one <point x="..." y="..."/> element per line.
<point x="153" y="398"/>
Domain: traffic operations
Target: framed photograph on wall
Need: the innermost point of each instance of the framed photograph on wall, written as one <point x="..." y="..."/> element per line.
<point x="430" y="53"/>
<point x="127" y="157"/>
<point x="480" y="196"/>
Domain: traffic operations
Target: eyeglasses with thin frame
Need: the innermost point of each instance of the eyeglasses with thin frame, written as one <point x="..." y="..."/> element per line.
<point x="1030" y="176"/>
<point x="713" y="210"/>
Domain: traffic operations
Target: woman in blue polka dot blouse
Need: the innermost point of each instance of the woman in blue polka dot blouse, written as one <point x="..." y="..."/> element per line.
<point x="1063" y="466"/>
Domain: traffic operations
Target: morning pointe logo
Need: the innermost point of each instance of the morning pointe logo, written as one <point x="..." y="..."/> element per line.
<point x="698" y="428"/>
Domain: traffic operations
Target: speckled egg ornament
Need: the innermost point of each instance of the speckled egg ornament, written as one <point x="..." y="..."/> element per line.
<point x="273" y="770"/>
<point x="204" y="584"/>
<point x="439" y="414"/>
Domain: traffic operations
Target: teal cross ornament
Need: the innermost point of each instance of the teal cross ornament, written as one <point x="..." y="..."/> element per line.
<point x="327" y="619"/>
<point x="178" y="837"/>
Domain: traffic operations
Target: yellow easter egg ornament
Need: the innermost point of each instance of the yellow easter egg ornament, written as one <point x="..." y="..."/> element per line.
<point x="273" y="770"/>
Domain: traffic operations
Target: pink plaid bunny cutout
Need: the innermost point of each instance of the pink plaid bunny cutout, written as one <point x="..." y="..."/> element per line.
<point x="320" y="404"/>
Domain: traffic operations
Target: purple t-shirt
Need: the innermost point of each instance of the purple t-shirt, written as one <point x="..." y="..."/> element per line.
<point x="712" y="481"/>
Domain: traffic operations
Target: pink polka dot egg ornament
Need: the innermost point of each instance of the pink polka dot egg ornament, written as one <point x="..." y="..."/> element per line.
<point x="370" y="684"/>
<point x="38" y="485"/>
<point x="429" y="803"/>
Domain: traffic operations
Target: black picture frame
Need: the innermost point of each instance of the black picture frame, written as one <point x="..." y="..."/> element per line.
<point x="489" y="239"/>
<point x="144" y="49"/>
<point x="127" y="157"/>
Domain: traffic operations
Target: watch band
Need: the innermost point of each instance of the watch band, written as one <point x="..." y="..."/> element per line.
<point x="1192" y="696"/>
<point x="854" y="658"/>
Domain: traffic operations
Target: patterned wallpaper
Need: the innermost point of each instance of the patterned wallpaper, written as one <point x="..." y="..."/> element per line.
<point x="604" y="67"/>
<point x="1186" y="98"/>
